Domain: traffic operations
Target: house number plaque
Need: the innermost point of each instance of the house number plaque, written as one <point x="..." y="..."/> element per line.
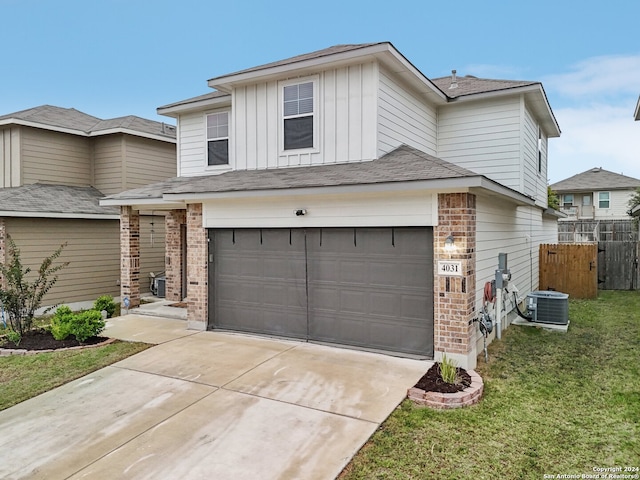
<point x="451" y="268"/>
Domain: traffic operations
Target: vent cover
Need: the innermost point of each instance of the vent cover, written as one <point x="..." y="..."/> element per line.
<point x="549" y="307"/>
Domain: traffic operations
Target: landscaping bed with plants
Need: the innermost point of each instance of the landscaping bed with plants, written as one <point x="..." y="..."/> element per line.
<point x="553" y="404"/>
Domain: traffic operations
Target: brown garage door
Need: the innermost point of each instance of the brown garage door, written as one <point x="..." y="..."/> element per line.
<point x="367" y="287"/>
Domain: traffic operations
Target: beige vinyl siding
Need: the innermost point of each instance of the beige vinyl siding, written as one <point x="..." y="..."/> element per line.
<point x="484" y="137"/>
<point x="10" y="173"/>
<point x="108" y="163"/>
<point x="152" y="248"/>
<point x="618" y="204"/>
<point x="56" y="158"/>
<point x="93" y="251"/>
<point x="192" y="144"/>
<point x="403" y="118"/>
<point x="148" y="161"/>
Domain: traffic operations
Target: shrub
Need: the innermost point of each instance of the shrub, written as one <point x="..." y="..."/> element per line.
<point x="61" y="323"/>
<point x="21" y="297"/>
<point x="87" y="324"/>
<point x="81" y="325"/>
<point x="105" y="302"/>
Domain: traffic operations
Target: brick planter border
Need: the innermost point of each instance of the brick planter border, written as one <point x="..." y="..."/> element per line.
<point x="5" y="352"/>
<point x="444" y="401"/>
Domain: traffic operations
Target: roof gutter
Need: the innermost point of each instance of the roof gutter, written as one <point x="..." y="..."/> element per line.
<point x="85" y="216"/>
<point x="174" y="110"/>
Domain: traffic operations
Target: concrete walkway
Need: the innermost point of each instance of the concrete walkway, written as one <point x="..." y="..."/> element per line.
<point x="206" y="405"/>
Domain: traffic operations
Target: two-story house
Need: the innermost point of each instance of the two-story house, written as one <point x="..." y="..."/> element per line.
<point x="342" y="196"/>
<point x="596" y="194"/>
<point x="55" y="165"/>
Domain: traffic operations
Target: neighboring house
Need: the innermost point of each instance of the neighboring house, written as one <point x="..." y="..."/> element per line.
<point x="636" y="115"/>
<point x="343" y="197"/>
<point x="596" y="194"/>
<point x="55" y="165"/>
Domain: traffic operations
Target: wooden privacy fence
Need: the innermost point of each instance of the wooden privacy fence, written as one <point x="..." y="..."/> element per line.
<point x="570" y="268"/>
<point x="618" y="265"/>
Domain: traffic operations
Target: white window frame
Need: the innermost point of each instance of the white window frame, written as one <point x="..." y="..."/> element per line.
<point x="225" y="166"/>
<point x="608" y="200"/>
<point x="564" y="199"/>
<point x="314" y="79"/>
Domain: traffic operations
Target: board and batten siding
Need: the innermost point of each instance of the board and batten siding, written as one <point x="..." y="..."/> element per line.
<point x="484" y="137"/>
<point x="534" y="181"/>
<point x="345" y="210"/>
<point x="55" y="158"/>
<point x="10" y="173"/>
<point x="93" y="253"/>
<point x="346" y="115"/>
<point x="518" y="231"/>
<point x="403" y="118"/>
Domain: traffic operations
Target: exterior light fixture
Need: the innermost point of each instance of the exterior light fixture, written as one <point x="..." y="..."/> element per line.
<point x="449" y="243"/>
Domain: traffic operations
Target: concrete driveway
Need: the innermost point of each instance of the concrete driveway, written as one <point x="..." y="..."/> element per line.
<point x="206" y="405"/>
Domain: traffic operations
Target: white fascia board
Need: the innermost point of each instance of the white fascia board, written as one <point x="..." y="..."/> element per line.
<point x="550" y="212"/>
<point x="43" y="126"/>
<point x="446" y="185"/>
<point x="176" y="110"/>
<point x="135" y="133"/>
<point x="86" y="216"/>
<point x="528" y="89"/>
<point x="147" y="203"/>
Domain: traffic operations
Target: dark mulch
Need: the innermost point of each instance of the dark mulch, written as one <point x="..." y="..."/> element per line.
<point x="43" y="340"/>
<point x="432" y="381"/>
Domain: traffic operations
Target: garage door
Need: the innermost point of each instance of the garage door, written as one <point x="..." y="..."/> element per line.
<point x="367" y="287"/>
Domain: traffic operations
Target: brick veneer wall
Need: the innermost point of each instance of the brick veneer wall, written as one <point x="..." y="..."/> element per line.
<point x="454" y="297"/>
<point x="130" y="256"/>
<point x="197" y="257"/>
<point x="173" y="254"/>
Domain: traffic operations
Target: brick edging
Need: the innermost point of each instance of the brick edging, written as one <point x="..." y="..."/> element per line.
<point x="469" y="396"/>
<point x="6" y="352"/>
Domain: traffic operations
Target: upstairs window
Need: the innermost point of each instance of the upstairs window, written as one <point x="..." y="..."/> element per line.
<point x="539" y="150"/>
<point x="218" y="138"/>
<point x="603" y="199"/>
<point x="298" y="113"/>
<point x="567" y="200"/>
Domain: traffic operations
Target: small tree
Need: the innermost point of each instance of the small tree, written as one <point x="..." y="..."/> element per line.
<point x="20" y="297"/>
<point x="552" y="199"/>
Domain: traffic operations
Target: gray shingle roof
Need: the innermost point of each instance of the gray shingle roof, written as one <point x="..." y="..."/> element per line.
<point x="73" y="119"/>
<point x="596" y="179"/>
<point x="469" y="85"/>
<point x="41" y="198"/>
<point x="199" y="98"/>
<point x="403" y="164"/>
<point x="306" y="56"/>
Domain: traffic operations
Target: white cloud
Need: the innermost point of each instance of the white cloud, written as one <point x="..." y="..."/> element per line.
<point x="599" y="76"/>
<point x="594" y="105"/>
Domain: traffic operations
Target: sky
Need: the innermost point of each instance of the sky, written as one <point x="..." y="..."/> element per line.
<point x="112" y="58"/>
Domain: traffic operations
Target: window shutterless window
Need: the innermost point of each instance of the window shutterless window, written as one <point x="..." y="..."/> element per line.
<point x="297" y="115"/>
<point x="603" y="199"/>
<point x="218" y="138"/>
<point x="567" y="199"/>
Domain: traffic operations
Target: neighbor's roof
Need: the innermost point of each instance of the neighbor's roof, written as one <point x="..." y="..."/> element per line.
<point x="44" y="200"/>
<point x="402" y="165"/>
<point x="596" y="179"/>
<point x="73" y="121"/>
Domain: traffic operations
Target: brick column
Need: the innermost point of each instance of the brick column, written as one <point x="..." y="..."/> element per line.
<point x="173" y="254"/>
<point x="197" y="284"/>
<point x="129" y="256"/>
<point x="454" y="296"/>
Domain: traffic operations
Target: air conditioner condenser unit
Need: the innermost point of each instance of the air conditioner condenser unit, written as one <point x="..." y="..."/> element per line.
<point x="549" y="307"/>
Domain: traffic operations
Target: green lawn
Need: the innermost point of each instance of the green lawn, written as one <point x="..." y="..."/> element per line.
<point x="23" y="377"/>
<point x="553" y="404"/>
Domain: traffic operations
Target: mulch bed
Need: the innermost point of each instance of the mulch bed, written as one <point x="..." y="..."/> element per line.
<point x="432" y="381"/>
<point x="43" y="340"/>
